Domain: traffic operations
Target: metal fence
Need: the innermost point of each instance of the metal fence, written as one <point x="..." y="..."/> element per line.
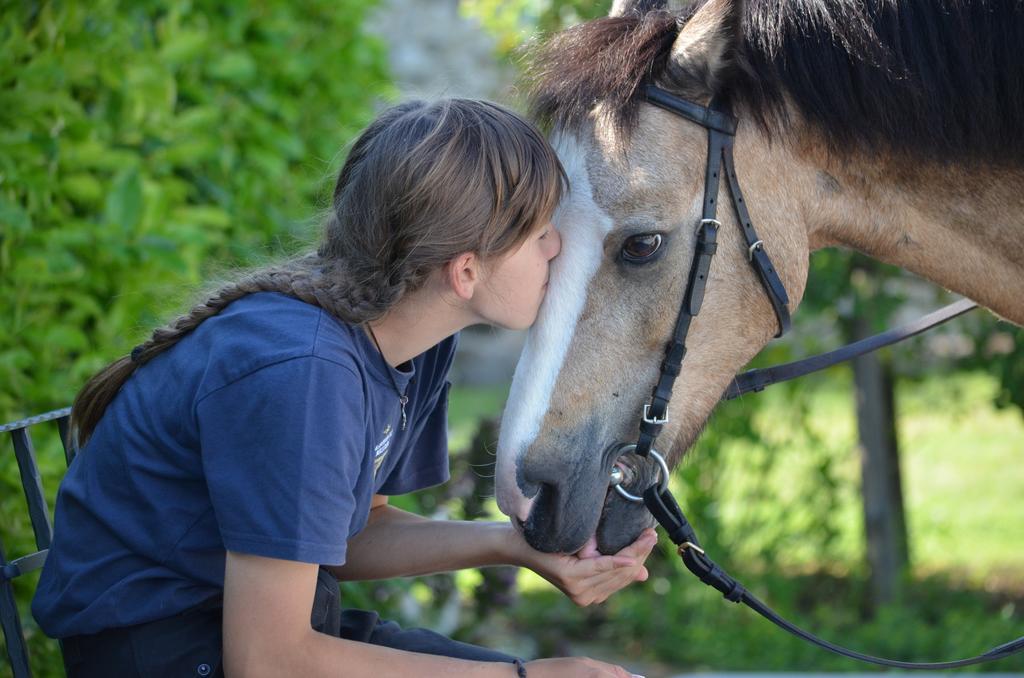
<point x="42" y="528"/>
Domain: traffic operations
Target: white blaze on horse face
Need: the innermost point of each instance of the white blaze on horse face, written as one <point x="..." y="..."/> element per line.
<point x="583" y="227"/>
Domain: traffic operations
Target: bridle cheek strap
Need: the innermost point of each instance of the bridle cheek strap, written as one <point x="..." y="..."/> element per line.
<point x="759" y="259"/>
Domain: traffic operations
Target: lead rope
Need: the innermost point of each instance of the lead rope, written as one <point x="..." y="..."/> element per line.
<point x="663" y="506"/>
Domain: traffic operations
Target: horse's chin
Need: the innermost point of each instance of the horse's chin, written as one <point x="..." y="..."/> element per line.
<point x="621" y="523"/>
<point x="562" y="523"/>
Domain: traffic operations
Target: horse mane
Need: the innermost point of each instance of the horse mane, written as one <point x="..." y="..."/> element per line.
<point x="940" y="80"/>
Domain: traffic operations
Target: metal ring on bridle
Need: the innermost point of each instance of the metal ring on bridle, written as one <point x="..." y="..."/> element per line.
<point x="617" y="478"/>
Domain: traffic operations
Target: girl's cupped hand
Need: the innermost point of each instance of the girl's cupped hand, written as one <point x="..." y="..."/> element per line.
<point x="587" y="576"/>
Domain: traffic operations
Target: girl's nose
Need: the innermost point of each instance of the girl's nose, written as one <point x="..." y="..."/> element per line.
<point x="557" y="246"/>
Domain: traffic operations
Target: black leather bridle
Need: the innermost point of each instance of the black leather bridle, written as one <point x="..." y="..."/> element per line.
<point x="721" y="126"/>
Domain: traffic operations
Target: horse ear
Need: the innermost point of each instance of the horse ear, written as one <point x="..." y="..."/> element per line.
<point x="703" y="53"/>
<point x="637" y="7"/>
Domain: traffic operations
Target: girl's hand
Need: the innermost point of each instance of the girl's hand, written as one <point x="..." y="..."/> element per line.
<point x="587" y="577"/>
<point x="575" y="667"/>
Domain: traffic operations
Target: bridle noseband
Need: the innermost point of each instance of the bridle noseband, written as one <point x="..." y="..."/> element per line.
<point x="721" y="126"/>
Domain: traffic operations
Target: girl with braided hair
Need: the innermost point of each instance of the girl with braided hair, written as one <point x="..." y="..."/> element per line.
<point x="240" y="459"/>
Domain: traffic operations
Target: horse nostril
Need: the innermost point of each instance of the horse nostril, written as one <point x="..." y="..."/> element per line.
<point x="533" y="475"/>
<point x="528" y="488"/>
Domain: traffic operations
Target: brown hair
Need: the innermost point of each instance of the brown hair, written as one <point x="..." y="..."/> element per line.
<point x="422" y="184"/>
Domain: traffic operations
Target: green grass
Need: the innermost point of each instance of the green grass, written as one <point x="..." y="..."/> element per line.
<point x="965" y="468"/>
<point x="962" y="463"/>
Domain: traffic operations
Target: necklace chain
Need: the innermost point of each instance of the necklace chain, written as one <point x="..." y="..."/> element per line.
<point x="403" y="398"/>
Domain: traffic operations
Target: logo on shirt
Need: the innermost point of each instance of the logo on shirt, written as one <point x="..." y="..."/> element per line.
<point x="380" y="450"/>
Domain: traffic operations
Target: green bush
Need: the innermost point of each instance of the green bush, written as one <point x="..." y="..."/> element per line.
<point x="144" y="147"/>
<point x="142" y="141"/>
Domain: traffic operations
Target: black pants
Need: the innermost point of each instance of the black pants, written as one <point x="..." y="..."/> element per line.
<point x="189" y="644"/>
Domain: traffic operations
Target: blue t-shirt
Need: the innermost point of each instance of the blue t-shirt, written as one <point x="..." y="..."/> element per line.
<point x="267" y="431"/>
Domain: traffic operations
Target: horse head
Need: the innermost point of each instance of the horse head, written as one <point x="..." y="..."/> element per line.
<point x="629" y="228"/>
<point x="850" y="133"/>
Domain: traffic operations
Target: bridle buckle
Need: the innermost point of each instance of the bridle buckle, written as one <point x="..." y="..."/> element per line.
<point x="704" y="222"/>
<point x="689" y="545"/>
<point x="656" y="421"/>
<point x="759" y="245"/>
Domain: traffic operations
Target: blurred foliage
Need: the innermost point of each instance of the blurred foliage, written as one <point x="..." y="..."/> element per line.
<point x="143" y="141"/>
<point x="146" y="147"/>
<point x="514" y="22"/>
<point x="510" y="21"/>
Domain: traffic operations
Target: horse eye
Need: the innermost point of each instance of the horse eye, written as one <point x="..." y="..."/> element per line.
<point x="639" y="248"/>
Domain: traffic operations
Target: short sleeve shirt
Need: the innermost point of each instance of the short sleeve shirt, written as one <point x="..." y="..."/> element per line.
<point x="267" y="430"/>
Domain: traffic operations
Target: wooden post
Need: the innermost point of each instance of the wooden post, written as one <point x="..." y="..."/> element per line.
<point x="885" y="528"/>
